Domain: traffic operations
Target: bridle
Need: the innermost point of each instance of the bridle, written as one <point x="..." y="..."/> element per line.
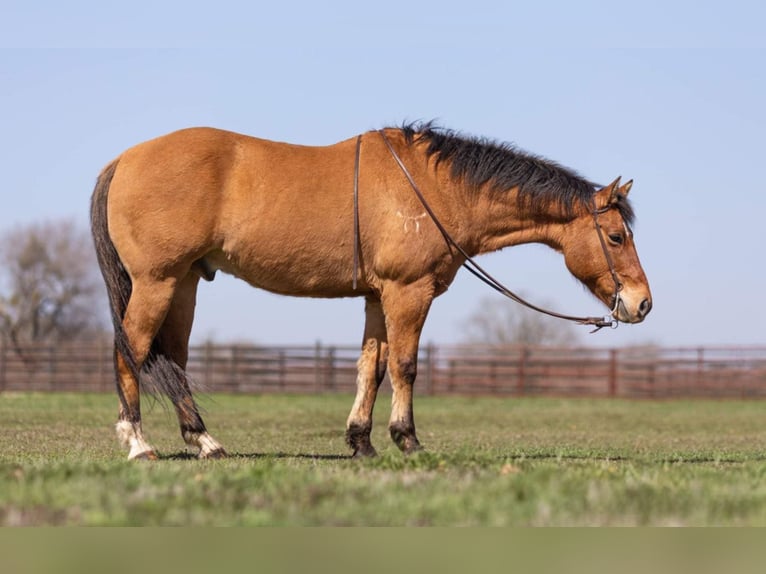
<point x="471" y="265"/>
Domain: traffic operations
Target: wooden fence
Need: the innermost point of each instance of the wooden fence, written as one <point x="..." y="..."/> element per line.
<point x="650" y="372"/>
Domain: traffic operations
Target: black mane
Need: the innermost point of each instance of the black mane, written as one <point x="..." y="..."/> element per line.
<point x="501" y="166"/>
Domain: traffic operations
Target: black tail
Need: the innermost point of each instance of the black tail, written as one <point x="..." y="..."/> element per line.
<point x="162" y="374"/>
<point x="118" y="284"/>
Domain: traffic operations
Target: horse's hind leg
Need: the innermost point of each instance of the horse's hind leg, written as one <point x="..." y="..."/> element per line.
<point x="171" y="352"/>
<point x="371" y="370"/>
<point x="149" y="302"/>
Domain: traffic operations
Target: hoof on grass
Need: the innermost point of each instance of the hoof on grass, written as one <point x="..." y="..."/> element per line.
<point x="412" y="449"/>
<point x="146" y="455"/>
<point x="213" y="454"/>
<point x="365" y="451"/>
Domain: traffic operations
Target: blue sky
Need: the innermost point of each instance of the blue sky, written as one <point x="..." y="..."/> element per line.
<point x="670" y="94"/>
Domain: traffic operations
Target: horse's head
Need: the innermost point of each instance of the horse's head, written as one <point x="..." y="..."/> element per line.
<point x="599" y="250"/>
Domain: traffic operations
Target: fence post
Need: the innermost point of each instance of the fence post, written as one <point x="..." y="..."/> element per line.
<point x="282" y="369"/>
<point x="317" y="367"/>
<point x="430" y="352"/>
<point x="207" y="365"/>
<point x="2" y="365"/>
<point x="52" y="368"/>
<point x="100" y="353"/>
<point x="521" y="382"/>
<point x="233" y="378"/>
<point x="612" y="372"/>
<point x="331" y="368"/>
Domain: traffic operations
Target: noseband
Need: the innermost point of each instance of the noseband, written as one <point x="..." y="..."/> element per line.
<point x="471" y="265"/>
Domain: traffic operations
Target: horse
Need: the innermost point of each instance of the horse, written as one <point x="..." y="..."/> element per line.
<point x="333" y="221"/>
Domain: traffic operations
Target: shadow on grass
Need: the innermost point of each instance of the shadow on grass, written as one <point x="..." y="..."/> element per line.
<point x="185" y="455"/>
<point x="681" y="458"/>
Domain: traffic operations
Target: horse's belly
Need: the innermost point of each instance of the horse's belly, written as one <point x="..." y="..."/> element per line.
<point x="298" y="275"/>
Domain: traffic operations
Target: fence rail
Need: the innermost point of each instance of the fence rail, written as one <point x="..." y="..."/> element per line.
<point x="651" y="372"/>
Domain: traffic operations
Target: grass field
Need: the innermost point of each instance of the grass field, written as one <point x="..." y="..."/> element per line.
<point x="516" y="462"/>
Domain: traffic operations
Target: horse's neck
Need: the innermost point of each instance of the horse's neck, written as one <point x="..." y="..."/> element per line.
<point x="500" y="222"/>
<point x="484" y="220"/>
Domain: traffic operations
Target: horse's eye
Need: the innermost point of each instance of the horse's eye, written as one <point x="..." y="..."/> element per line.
<point x="616" y="238"/>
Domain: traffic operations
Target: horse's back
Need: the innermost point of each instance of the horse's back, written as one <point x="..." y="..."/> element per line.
<point x="221" y="165"/>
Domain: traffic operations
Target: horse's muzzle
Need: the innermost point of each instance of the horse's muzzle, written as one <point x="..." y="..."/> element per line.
<point x="628" y="313"/>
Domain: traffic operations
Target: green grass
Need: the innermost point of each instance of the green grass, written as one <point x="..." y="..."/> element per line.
<point x="517" y="462"/>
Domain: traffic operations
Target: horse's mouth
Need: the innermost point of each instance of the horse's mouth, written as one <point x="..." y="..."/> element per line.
<point x="622" y="314"/>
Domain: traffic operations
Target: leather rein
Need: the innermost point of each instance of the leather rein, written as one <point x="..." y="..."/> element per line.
<point x="471" y="265"/>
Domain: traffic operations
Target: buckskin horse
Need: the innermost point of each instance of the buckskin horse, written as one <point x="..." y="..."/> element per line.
<point x="337" y="221"/>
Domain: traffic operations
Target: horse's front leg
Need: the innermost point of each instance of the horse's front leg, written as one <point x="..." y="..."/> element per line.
<point x="371" y="370"/>
<point x="405" y="307"/>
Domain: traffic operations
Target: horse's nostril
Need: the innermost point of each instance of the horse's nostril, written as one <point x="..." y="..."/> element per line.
<point x="644" y="307"/>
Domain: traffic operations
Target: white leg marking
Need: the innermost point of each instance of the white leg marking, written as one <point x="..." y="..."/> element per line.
<point x="360" y="410"/>
<point x="132" y="437"/>
<point x="206" y="443"/>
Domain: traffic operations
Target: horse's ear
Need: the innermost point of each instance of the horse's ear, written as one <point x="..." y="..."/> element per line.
<point x="625" y="189"/>
<point x="607" y="195"/>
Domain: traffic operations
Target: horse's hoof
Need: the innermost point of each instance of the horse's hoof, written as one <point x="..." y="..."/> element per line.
<point x="404" y="437"/>
<point x="146" y="455"/>
<point x="412" y="449"/>
<point x="213" y="454"/>
<point x="367" y="451"/>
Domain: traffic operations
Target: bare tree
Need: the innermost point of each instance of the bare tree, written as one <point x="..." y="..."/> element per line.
<point x="499" y="321"/>
<point x="49" y="288"/>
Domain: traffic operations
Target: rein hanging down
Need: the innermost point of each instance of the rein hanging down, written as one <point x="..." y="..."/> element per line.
<point x="470" y="264"/>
